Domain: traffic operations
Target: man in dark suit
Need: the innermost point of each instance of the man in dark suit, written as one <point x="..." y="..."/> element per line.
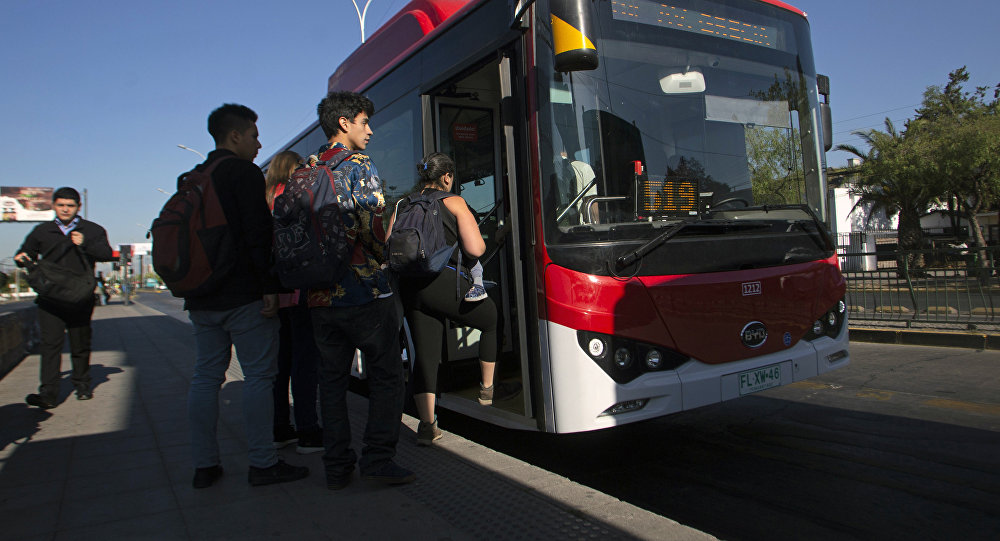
<point x="72" y="242"/>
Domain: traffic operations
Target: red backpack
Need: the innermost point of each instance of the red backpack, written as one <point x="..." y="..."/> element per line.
<point x="193" y="247"/>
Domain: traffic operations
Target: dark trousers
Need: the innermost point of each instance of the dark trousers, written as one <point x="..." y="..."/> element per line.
<point x="297" y="361"/>
<point x="55" y="323"/>
<point x="427" y="304"/>
<point x="372" y="328"/>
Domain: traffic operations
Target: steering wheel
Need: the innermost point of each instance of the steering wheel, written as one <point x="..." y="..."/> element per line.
<point x="730" y="200"/>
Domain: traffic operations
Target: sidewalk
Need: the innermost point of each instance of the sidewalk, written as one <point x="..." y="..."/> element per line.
<point x="118" y="467"/>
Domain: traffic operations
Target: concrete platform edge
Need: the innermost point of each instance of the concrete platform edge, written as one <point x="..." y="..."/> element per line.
<point x="913" y="337"/>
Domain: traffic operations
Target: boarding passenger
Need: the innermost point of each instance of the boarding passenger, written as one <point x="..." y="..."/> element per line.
<point x="428" y="301"/>
<point x="358" y="313"/>
<point x="72" y="242"/>
<point x="297" y="353"/>
<point x="241" y="312"/>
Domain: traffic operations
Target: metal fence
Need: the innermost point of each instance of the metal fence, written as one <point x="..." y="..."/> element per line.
<point x="954" y="287"/>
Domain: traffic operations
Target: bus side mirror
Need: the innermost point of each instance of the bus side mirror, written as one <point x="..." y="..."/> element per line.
<point x="572" y="28"/>
<point x="826" y="116"/>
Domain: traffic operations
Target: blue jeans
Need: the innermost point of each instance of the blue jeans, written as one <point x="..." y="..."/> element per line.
<point x="256" y="339"/>
<point x="374" y="329"/>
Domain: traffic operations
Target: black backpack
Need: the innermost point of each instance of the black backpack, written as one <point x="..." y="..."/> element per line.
<point x="417" y="244"/>
<point x="193" y="247"/>
<point x="311" y="246"/>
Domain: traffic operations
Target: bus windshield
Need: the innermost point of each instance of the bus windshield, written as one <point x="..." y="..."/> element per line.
<point x="699" y="111"/>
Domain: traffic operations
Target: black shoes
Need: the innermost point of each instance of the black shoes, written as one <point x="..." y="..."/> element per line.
<point x="205" y="477"/>
<point x="284" y="435"/>
<point x="310" y="442"/>
<point x="340" y="480"/>
<point x="83" y="394"/>
<point x="280" y="472"/>
<point x="39" y="401"/>
<point x="390" y="474"/>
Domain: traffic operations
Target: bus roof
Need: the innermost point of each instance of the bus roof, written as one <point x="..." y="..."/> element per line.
<point x="389" y="44"/>
<point x="405" y="32"/>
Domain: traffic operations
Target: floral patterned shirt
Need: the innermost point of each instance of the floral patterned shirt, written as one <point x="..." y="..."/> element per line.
<point x="366" y="280"/>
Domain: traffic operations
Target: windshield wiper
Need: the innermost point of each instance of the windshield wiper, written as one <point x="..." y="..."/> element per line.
<point x="650" y="245"/>
<point x="670" y="233"/>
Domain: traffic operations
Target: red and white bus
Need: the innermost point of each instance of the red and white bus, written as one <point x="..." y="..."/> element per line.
<point x="650" y="179"/>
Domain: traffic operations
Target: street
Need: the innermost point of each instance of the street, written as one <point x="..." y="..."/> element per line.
<point x="902" y="444"/>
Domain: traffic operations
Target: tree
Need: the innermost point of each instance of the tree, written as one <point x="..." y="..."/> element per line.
<point x="775" y="166"/>
<point x="892" y="178"/>
<point x="958" y="133"/>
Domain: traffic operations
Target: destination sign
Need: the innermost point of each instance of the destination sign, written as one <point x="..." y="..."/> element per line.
<point x="695" y="21"/>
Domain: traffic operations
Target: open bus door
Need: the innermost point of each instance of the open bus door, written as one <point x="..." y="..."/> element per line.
<point x="463" y="119"/>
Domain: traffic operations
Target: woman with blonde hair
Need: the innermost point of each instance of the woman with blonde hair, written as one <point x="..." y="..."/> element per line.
<point x="297" y="353"/>
<point x="278" y="172"/>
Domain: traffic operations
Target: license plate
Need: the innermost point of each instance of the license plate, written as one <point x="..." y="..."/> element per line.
<point x="759" y="379"/>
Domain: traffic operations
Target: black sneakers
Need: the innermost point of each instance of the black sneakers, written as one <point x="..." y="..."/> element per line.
<point x="310" y="442"/>
<point x="205" y="477"/>
<point x="390" y="474"/>
<point x="338" y="481"/>
<point x="284" y="435"/>
<point x="83" y="394"/>
<point x="39" y="401"/>
<point x="280" y="472"/>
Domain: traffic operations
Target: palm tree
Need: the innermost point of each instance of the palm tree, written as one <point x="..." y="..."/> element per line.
<point x="891" y="179"/>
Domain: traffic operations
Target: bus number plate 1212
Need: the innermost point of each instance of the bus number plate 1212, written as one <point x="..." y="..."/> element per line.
<point x="752" y="381"/>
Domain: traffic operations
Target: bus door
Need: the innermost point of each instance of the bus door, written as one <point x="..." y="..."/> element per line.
<point x="465" y="118"/>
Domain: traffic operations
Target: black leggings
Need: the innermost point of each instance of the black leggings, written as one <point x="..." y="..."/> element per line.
<point x="426" y="304"/>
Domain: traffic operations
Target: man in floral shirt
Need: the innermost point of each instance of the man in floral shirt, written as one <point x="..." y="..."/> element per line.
<point x="358" y="312"/>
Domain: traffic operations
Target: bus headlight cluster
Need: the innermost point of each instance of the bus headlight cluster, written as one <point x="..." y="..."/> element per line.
<point x="625" y="360"/>
<point x="830" y="323"/>
<point x="653" y="359"/>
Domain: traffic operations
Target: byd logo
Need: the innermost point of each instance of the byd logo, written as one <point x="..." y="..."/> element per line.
<point x="751" y="288"/>
<point x="754" y="334"/>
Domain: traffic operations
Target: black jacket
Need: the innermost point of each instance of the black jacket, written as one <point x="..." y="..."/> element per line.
<point x="47" y="238"/>
<point x="240" y="185"/>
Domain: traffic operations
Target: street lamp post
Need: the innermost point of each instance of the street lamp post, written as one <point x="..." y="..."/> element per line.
<point x="361" y="16"/>
<point x="199" y="153"/>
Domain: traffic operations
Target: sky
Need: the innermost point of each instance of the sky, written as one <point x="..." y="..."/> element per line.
<point x="97" y="95"/>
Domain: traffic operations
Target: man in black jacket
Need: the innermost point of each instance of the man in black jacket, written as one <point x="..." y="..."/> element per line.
<point x="75" y="243"/>
<point x="241" y="312"/>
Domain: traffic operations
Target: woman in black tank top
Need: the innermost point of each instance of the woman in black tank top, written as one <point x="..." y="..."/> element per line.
<point x="427" y="302"/>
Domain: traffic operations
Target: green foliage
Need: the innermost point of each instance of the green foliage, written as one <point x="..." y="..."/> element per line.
<point x="957" y="135"/>
<point x="891" y="179"/>
<point x="951" y="150"/>
<point x="775" y="172"/>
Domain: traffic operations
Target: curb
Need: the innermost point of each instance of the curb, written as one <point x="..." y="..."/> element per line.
<point x="910" y="337"/>
<point x="19" y="335"/>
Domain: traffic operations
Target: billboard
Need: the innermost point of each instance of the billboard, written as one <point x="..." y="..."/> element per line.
<point x="25" y="204"/>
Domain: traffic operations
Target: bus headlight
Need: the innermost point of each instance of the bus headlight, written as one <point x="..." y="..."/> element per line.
<point x="596" y="347"/>
<point x="653" y="359"/>
<point x="829" y="324"/>
<point x="623" y="358"/>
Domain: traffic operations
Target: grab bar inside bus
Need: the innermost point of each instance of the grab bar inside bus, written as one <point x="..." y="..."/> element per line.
<point x="600" y="199"/>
